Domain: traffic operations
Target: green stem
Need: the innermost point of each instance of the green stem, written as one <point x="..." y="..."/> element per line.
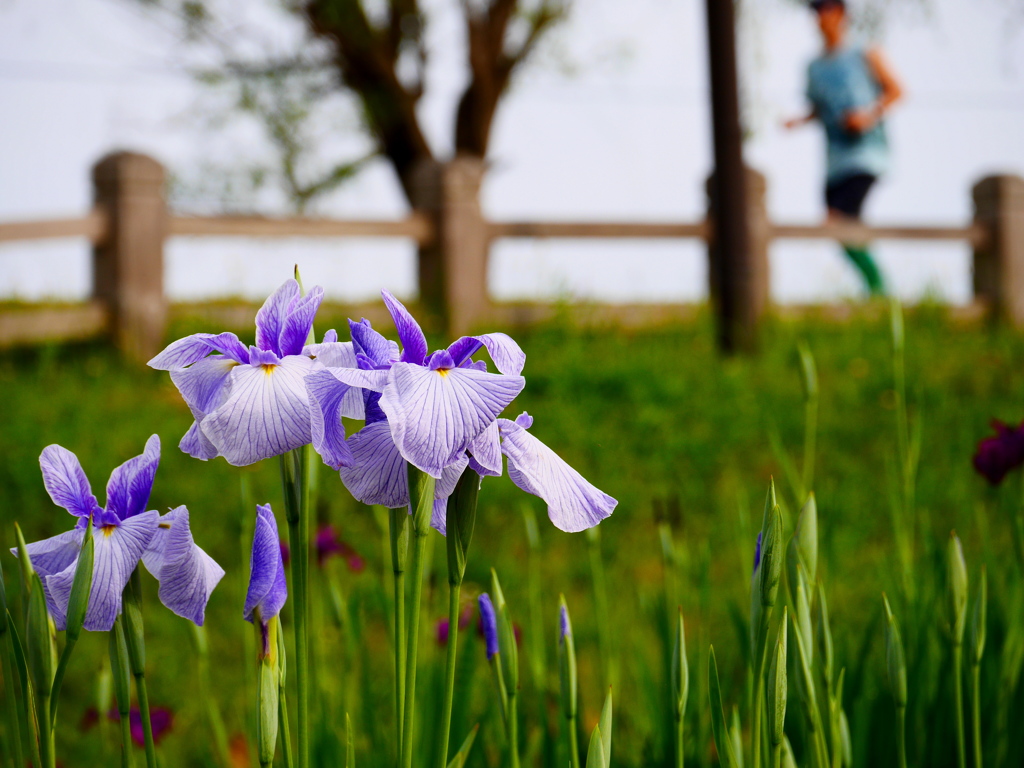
<point x="147" y="723"/>
<point x="286" y="737"/>
<point x="44" y="724"/>
<point x="810" y="439"/>
<point x="574" y="743"/>
<point x="413" y="628"/>
<point x="513" y="730"/>
<point x="14" y="719"/>
<point x="398" y="532"/>
<point x="454" y="591"/>
<point x="961" y="755"/>
<point x="294" y="469"/>
<point x="679" y="742"/>
<point x="976" y="712"/>
<point x="901" y="737"/>
<point x="604" y="640"/>
<point x="761" y="653"/>
<point x="777" y="755"/>
<point x="58" y="678"/>
<point x="127" y="758"/>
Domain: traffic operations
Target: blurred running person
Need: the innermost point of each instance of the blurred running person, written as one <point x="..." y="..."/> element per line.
<point x="850" y="89"/>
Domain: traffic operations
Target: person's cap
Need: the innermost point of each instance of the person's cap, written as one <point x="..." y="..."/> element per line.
<point x="820" y="5"/>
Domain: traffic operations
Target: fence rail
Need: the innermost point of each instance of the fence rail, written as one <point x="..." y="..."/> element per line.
<point x="130" y="223"/>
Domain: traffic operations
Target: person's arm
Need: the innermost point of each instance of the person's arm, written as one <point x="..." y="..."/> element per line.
<point x="796" y="122"/>
<point x="890" y="92"/>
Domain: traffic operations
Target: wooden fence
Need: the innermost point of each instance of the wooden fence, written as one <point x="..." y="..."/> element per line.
<point x="130" y="224"/>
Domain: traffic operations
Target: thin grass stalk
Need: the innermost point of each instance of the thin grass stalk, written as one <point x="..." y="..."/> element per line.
<point x="513" y="729"/>
<point x="27" y="712"/>
<point x="286" y="736"/>
<point x="121" y="676"/>
<point x="574" y="743"/>
<point x="761" y="652"/>
<point x="961" y="753"/>
<point x="213" y="716"/>
<point x="679" y="743"/>
<point x="454" y="592"/>
<point x="294" y="477"/>
<point x="810" y="381"/>
<point x="976" y="713"/>
<point x="14" y="716"/>
<point x="398" y="533"/>
<point x="901" y="737"/>
<point x="604" y="640"/>
<point x="147" y="723"/>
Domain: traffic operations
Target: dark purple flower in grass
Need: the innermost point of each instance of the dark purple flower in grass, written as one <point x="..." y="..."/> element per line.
<point x="160" y="718"/>
<point x="267" y="587"/>
<point x="251" y="403"/>
<point x="440" y="413"/>
<point x="488" y="625"/>
<point x="998" y="454"/>
<point x="124" y="534"/>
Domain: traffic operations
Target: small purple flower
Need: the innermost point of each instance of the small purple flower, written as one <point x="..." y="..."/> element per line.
<point x="267" y="587"/>
<point x="250" y="403"/>
<point x="286" y="553"/>
<point x="440" y="413"/>
<point x="160" y="719"/>
<point x="489" y="625"/>
<point x="441" y="630"/>
<point x="124" y="534"/>
<point x="998" y="454"/>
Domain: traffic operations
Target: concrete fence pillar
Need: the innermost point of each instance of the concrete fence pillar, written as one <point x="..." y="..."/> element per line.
<point x="741" y="289"/>
<point x="128" y="265"/>
<point x="453" y="267"/>
<point x="999" y="260"/>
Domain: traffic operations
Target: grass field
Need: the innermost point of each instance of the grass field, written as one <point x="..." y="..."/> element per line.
<point x="654" y="418"/>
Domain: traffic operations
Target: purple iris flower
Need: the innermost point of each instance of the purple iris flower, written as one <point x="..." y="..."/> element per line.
<point x="160" y="718"/>
<point x="124" y="534"/>
<point x="489" y="625"/>
<point x="250" y="403"/>
<point x="998" y="454"/>
<point x="439" y="412"/>
<point x="564" y="625"/>
<point x="267" y="587"/>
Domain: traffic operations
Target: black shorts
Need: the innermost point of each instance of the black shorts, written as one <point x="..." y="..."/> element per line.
<point x="847" y="194"/>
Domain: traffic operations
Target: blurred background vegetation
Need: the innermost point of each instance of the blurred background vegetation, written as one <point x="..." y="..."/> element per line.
<point x="684" y="439"/>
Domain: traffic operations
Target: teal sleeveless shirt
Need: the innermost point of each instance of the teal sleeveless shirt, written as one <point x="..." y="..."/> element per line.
<point x="838" y="82"/>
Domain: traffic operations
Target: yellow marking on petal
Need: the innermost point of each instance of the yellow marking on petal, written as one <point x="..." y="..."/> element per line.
<point x="443" y="372"/>
<point x="108" y="529"/>
<point x="268" y="368"/>
<point x="165" y="526"/>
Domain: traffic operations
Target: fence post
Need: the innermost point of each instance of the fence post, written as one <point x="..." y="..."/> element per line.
<point x="128" y="265"/>
<point x="999" y="260"/>
<point x="740" y="292"/>
<point x="453" y="266"/>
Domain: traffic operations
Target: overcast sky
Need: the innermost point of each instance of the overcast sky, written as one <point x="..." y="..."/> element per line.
<point x="610" y="121"/>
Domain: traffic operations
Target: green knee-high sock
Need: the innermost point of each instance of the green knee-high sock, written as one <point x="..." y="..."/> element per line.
<point x="861" y="257"/>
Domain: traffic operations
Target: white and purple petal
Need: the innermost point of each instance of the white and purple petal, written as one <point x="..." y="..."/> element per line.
<point x="267" y="587"/>
<point x="443" y="489"/>
<point x="573" y="503"/>
<point x="187" y="575"/>
<point x="299" y="322"/>
<point x="270" y="320"/>
<point x="266" y="413"/>
<point x="378" y="472"/>
<point x="327" y="397"/>
<point x="414" y="343"/>
<point x="65" y="481"/>
<point x="183" y="352"/>
<point x="380" y="350"/>
<point x="485" y="452"/>
<point x="56" y="553"/>
<point x="131" y="483"/>
<point x="508" y="356"/>
<point x="374" y="380"/>
<point x="204" y="385"/>
<point x="435" y="414"/>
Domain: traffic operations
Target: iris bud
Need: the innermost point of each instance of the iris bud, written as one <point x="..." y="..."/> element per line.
<point x="39" y="640"/>
<point x="459" y="524"/>
<point x="78" y="601"/>
<point x="803" y="545"/>
<point x="506" y="638"/>
<point x="566" y="661"/>
<point x="770" y="567"/>
<point x="267" y="691"/>
<point x="894" y="661"/>
<point x="956" y="589"/>
<point x="680" y="670"/>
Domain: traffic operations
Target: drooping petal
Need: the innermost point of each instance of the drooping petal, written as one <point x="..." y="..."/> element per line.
<point x="340" y="354"/>
<point x="573" y="503"/>
<point x="187" y="575"/>
<point x="414" y="343"/>
<point x="434" y="415"/>
<point x="266" y="414"/>
<point x="485" y="452"/>
<point x="299" y="322"/>
<point x="118" y="551"/>
<point x="374" y="380"/>
<point x="197" y="445"/>
<point x="270" y="320"/>
<point x="443" y="489"/>
<point x="56" y="553"/>
<point x="184" y="352"/>
<point x="377" y="474"/>
<point x="267" y="587"/>
<point x="65" y="481"/>
<point x="327" y="396"/>
<point x="508" y="356"/>
<point x="380" y="350"/>
<point x="131" y="483"/>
